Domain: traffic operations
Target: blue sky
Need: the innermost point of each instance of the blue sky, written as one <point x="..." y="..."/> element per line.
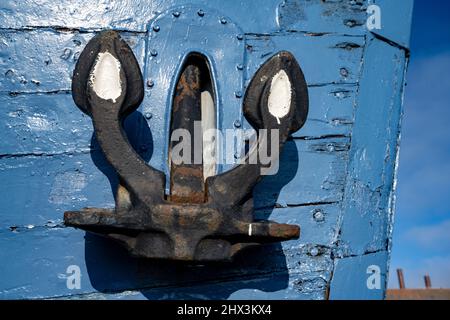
<point x="422" y="223"/>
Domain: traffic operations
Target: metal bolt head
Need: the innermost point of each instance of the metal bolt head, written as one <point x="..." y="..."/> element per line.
<point x="314" y="251"/>
<point x="343" y="72"/>
<point x="176" y="14"/>
<point x="238" y="94"/>
<point x="240" y="36"/>
<point x="237" y="123"/>
<point x="154" y="53"/>
<point x="240" y="66"/>
<point x="156" y="28"/>
<point x="223" y="21"/>
<point x="318" y="216"/>
<point x="150" y="83"/>
<point x="148" y="115"/>
<point x="201" y="13"/>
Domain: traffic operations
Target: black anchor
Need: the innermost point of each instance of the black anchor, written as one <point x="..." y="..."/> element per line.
<point x="200" y="220"/>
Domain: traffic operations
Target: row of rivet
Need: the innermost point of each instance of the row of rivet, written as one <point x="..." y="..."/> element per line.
<point x="154" y="53"/>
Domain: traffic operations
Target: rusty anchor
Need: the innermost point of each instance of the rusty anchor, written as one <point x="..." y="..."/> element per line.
<point x="201" y="219"/>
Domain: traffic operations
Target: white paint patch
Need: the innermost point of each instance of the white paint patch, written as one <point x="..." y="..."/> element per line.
<point x="209" y="139"/>
<point x="280" y="95"/>
<point x="219" y="54"/>
<point x="250" y="231"/>
<point x="105" y="78"/>
<point x="38" y="123"/>
<point x="67" y="186"/>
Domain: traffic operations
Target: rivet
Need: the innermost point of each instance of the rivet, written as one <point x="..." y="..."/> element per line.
<point x="223" y="21"/>
<point x="350" y="23"/>
<point x="148" y="115"/>
<point x="314" y="251"/>
<point x="344" y="72"/>
<point x="238" y="94"/>
<point x="156" y="28"/>
<point x="154" y="53"/>
<point x="237" y="123"/>
<point x="240" y="67"/>
<point x="318" y="216"/>
<point x="201" y="13"/>
<point x="150" y="83"/>
<point x="240" y="36"/>
<point x="176" y="14"/>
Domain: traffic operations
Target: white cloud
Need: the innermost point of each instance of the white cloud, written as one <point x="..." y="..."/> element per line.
<point x="435" y="237"/>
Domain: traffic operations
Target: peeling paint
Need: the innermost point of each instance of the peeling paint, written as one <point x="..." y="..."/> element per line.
<point x="67" y="186"/>
<point x="336" y="175"/>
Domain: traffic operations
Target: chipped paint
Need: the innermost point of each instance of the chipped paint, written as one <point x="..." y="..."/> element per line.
<point x="322" y="168"/>
<point x="280" y="95"/>
<point x="38" y="122"/>
<point x="105" y="77"/>
<point x="67" y="186"/>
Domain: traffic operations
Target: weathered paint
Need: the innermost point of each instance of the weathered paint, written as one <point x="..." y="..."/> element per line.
<point x="279" y="95"/>
<point x="105" y="78"/>
<point x="336" y="174"/>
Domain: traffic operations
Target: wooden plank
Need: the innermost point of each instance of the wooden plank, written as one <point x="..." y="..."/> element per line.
<point x="43" y="60"/>
<point x="133" y="15"/>
<point x="51" y="123"/>
<point x="43" y="124"/>
<point x="130" y="15"/>
<point x="42" y="256"/>
<point x="352" y="277"/>
<point x="48" y="124"/>
<point x="48" y="185"/>
<point x="310" y="171"/>
<point x="392" y="28"/>
<point x="311" y="287"/>
<point x="330" y="113"/>
<point x="319" y="223"/>
<point x="369" y="188"/>
<point x="340" y="16"/>
<point x="325" y="59"/>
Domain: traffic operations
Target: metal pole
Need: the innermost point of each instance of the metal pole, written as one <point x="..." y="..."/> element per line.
<point x="427" y="281"/>
<point x="401" y="279"/>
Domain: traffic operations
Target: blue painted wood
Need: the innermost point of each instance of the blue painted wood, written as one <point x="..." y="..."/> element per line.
<point x="43" y="60"/>
<point x="325" y="59"/>
<point x="397" y="30"/>
<point x="353" y="273"/>
<point x="336" y="175"/>
<point x="369" y="201"/>
<point x="107" y="268"/>
<point x="374" y="150"/>
<point x="338" y="16"/>
<point x="345" y="17"/>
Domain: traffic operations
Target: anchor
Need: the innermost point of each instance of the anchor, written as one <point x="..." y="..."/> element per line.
<point x="203" y="217"/>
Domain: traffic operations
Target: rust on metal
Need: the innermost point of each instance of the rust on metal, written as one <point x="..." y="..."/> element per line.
<point x="201" y="219"/>
<point x="401" y="279"/>
<point x="186" y="179"/>
<point x="427" y="280"/>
